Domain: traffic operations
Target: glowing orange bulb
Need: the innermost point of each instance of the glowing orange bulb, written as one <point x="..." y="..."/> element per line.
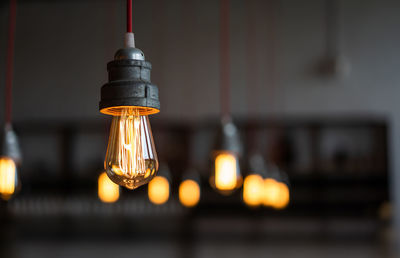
<point x="108" y="191"/>
<point x="271" y="192"/>
<point x="284" y="197"/>
<point x="158" y="190"/>
<point x="226" y="176"/>
<point x="189" y="193"/>
<point x="131" y="158"/>
<point x="253" y="189"/>
<point x="7" y="177"/>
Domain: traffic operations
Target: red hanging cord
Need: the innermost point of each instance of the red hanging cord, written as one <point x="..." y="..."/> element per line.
<point x="10" y="60"/>
<point x="225" y="60"/>
<point x="129" y="16"/>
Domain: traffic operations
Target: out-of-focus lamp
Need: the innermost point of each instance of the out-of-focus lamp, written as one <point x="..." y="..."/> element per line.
<point x="10" y="157"/>
<point x="226" y="175"/>
<point x="159" y="187"/>
<point x="108" y="191"/>
<point x="189" y="189"/>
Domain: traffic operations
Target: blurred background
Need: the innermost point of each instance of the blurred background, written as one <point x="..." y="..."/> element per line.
<point x="314" y="92"/>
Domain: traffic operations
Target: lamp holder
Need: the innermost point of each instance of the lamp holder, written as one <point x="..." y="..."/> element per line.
<point x="228" y="138"/>
<point x="129" y="83"/>
<point x="10" y="144"/>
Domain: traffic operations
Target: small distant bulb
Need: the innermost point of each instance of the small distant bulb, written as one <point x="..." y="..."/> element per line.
<point x="271" y="192"/>
<point x="189" y="193"/>
<point x="253" y="189"/>
<point x="108" y="191"/>
<point x="158" y="190"/>
<point x="226" y="171"/>
<point x="284" y="197"/>
<point x="7" y="177"/>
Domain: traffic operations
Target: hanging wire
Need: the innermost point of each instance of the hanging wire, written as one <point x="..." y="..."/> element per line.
<point x="129" y="16"/>
<point x="10" y="60"/>
<point x="225" y="60"/>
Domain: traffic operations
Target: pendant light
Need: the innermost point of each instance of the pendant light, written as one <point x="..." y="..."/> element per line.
<point x="10" y="156"/>
<point x="107" y="190"/>
<point x="129" y="96"/>
<point x="159" y="187"/>
<point x="276" y="189"/>
<point x="189" y="189"/>
<point x="253" y="186"/>
<point x="226" y="171"/>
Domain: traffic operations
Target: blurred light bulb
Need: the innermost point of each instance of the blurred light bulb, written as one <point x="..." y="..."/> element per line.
<point x="189" y="193"/>
<point x="158" y="190"/>
<point x="108" y="191"/>
<point x="226" y="171"/>
<point x="271" y="192"/>
<point x="253" y="189"/>
<point x="8" y="176"/>
<point x="283" y="197"/>
<point x="131" y="158"/>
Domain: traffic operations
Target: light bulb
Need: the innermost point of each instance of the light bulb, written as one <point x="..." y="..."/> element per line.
<point x="8" y="177"/>
<point x="271" y="192"/>
<point x="158" y="190"/>
<point x="131" y="158"/>
<point x="253" y="189"/>
<point x="226" y="171"/>
<point x="283" y="198"/>
<point x="108" y="191"/>
<point x="189" y="193"/>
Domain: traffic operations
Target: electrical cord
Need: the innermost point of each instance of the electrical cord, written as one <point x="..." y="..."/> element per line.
<point x="10" y="60"/>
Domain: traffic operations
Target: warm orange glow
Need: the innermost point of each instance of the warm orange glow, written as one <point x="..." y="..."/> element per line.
<point x="7" y="177"/>
<point x="271" y="192"/>
<point x="119" y="110"/>
<point x="108" y="191"/>
<point x="253" y="189"/>
<point x="226" y="171"/>
<point x="284" y="197"/>
<point x="158" y="191"/>
<point x="276" y="194"/>
<point x="131" y="159"/>
<point x="189" y="193"/>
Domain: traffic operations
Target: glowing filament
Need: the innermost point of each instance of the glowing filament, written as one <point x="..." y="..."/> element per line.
<point x="130" y="156"/>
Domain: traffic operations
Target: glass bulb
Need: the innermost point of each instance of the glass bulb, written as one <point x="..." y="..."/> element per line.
<point x="271" y="192"/>
<point x="8" y="177"/>
<point x="158" y="191"/>
<point x="284" y="197"/>
<point x="189" y="193"/>
<point x="253" y="189"/>
<point x="131" y="158"/>
<point x="108" y="191"/>
<point x="226" y="171"/>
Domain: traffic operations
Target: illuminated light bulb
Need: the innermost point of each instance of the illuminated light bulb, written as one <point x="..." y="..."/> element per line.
<point x="158" y="190"/>
<point x="283" y="197"/>
<point x="253" y="189"/>
<point x="8" y="178"/>
<point x="131" y="158"/>
<point x="189" y="193"/>
<point x="226" y="176"/>
<point x="108" y="191"/>
<point x="271" y="192"/>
